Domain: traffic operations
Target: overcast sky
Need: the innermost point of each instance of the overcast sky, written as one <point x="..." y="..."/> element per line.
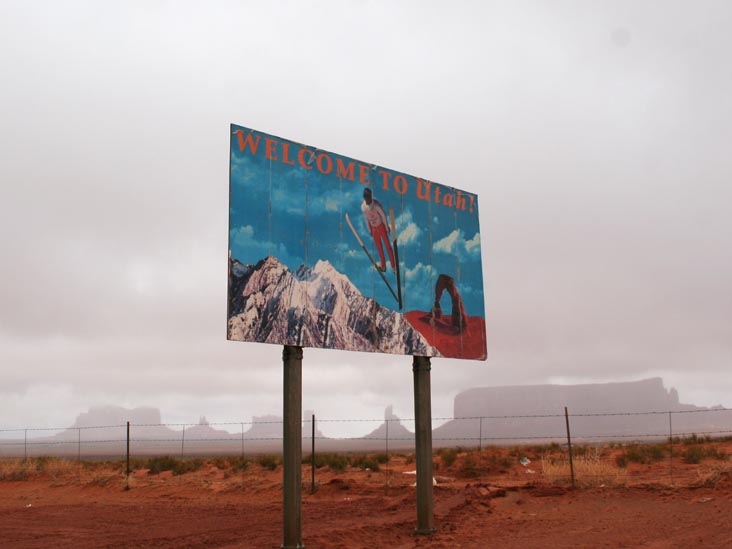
<point x="596" y="134"/>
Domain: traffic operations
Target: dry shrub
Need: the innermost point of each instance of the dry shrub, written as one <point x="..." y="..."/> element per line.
<point x="158" y="464"/>
<point x="24" y="469"/>
<point x="365" y="462"/>
<point x="641" y="453"/>
<point x="56" y="467"/>
<point x="710" y="477"/>
<point x="448" y="456"/>
<point x="590" y="470"/>
<point x="14" y="470"/>
<point x="268" y="461"/>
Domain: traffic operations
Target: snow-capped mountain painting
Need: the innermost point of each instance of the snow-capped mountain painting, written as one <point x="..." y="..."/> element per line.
<point x="317" y="307"/>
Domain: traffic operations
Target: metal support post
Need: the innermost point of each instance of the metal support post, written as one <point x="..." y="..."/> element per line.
<point x="423" y="441"/>
<point x="292" y="448"/>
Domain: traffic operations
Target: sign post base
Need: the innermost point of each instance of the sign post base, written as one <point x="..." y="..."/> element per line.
<point x="292" y="448"/>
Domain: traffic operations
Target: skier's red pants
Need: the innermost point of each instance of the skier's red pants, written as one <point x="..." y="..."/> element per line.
<point x="379" y="233"/>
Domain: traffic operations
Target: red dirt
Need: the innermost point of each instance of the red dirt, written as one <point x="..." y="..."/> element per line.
<point x="88" y="507"/>
<point x="445" y="337"/>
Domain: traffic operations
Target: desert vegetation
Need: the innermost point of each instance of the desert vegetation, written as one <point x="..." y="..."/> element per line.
<point x="606" y="465"/>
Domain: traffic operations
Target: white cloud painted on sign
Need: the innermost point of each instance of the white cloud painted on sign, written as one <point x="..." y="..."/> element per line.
<point x="455" y="243"/>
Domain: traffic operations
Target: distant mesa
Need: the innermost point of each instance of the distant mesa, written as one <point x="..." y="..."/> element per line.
<point x="627" y="396"/>
<point x="117" y="415"/>
<point x="612" y="410"/>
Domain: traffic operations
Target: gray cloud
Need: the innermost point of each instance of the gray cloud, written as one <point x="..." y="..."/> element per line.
<point x="595" y="135"/>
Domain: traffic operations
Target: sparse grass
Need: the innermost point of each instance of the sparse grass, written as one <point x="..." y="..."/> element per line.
<point x="157" y="465"/>
<point x="469" y="465"/>
<point x="692" y="439"/>
<point x="55" y="467"/>
<point x="695" y="454"/>
<point x="13" y="470"/>
<point x="710" y="477"/>
<point x="24" y="469"/>
<point x="497" y="460"/>
<point x="335" y="462"/>
<point x="641" y="453"/>
<point x="590" y="470"/>
<point x="237" y="463"/>
<point x="715" y="453"/>
<point x="582" y="450"/>
<point x="221" y="463"/>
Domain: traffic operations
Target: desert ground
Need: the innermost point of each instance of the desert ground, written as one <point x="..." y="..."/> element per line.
<point x="625" y="496"/>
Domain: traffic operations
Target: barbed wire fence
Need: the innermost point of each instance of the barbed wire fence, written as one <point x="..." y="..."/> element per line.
<point x="190" y="440"/>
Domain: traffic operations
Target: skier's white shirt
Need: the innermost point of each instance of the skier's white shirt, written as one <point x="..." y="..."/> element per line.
<point x="374" y="213"/>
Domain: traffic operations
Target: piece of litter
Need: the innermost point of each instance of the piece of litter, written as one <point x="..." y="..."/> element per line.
<point x="704" y="500"/>
<point x="524" y="461"/>
<point x="410" y="472"/>
<point x="531" y="471"/>
<point x="29" y="505"/>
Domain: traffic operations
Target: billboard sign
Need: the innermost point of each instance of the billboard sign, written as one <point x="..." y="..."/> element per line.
<point x="331" y="252"/>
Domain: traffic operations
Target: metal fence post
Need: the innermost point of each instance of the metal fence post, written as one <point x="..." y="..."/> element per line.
<point x="670" y="448"/>
<point x="480" y="446"/>
<point x="569" y="445"/>
<point x="183" y="441"/>
<point x="128" y="457"/>
<point x="312" y="456"/>
<point x="242" y="442"/>
<point x="480" y="435"/>
<point x="25" y="446"/>
<point x="78" y="430"/>
<point x="386" y="421"/>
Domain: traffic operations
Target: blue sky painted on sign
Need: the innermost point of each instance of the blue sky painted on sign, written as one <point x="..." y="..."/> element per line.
<point x="298" y="216"/>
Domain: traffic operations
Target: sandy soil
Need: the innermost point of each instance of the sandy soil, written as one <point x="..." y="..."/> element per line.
<point x="504" y="507"/>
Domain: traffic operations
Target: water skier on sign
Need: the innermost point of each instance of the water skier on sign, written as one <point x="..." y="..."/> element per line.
<point x="375" y="216"/>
